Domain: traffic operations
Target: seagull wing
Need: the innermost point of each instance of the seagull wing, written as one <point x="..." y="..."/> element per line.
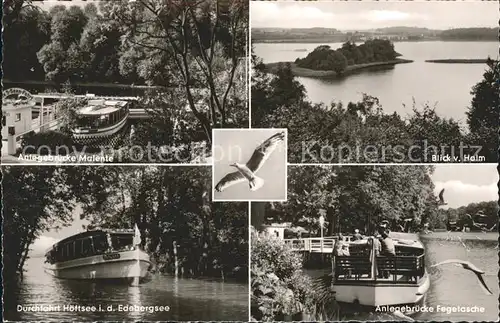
<point x="400" y="315"/>
<point x="229" y="180"/>
<point x="441" y="198"/>
<point x="465" y="264"/>
<point x="262" y="153"/>
<point x="483" y="284"/>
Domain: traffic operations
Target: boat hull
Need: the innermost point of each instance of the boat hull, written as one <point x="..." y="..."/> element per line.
<point x="375" y="294"/>
<point x="101" y="133"/>
<point x="127" y="265"/>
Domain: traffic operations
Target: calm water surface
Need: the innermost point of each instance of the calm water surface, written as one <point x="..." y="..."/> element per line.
<point x="452" y="285"/>
<point x="446" y="86"/>
<point x="188" y="299"/>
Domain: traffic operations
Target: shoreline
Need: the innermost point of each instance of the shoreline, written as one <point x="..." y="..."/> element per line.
<point x="306" y="72"/>
<point x="458" y="61"/>
<point x="325" y="41"/>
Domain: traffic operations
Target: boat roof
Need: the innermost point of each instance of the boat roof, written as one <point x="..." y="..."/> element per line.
<point x="90" y="233"/>
<point x="102" y="107"/>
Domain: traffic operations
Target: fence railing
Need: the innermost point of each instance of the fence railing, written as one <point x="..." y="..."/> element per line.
<point x="313" y="245"/>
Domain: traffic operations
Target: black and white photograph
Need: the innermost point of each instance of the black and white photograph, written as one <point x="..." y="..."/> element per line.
<point x="122" y="81"/>
<point x="250" y="164"/>
<point x="378" y="81"/>
<point x="93" y="243"/>
<point x="378" y="243"/>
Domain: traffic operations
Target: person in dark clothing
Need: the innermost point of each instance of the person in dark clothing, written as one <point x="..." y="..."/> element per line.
<point x="357" y="235"/>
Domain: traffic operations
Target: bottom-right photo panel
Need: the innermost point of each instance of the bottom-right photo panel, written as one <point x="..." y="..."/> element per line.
<point x="378" y="243"/>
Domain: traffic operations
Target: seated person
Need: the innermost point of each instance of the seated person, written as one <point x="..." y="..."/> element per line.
<point x="357" y="235"/>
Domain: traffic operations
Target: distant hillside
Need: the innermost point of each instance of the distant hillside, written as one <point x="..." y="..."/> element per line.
<point x="408" y="30"/>
<point x="400" y="33"/>
<point x="297" y="34"/>
<point x="470" y="34"/>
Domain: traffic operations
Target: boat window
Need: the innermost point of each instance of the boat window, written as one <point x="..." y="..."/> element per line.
<point x="87" y="247"/>
<point x="100" y="244"/>
<point x="122" y="241"/>
<point x="87" y="122"/>
<point x="78" y="248"/>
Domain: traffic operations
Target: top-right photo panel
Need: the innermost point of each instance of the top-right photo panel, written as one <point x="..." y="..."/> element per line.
<point x="378" y="82"/>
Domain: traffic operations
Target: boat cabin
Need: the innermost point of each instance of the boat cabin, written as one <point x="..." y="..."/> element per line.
<point x="364" y="264"/>
<point x="90" y="243"/>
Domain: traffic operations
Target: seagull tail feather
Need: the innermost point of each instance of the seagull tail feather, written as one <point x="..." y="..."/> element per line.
<point x="256" y="183"/>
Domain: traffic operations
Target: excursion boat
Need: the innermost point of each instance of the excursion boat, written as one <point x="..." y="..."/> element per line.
<point x="100" y="119"/>
<point x="369" y="280"/>
<point x="99" y="254"/>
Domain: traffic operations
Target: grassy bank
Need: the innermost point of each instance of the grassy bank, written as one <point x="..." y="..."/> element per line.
<point x="305" y="72"/>
<point x="458" y="61"/>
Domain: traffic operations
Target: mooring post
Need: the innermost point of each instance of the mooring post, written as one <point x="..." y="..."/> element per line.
<point x="11" y="141"/>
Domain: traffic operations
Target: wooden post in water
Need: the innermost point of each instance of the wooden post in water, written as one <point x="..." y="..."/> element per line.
<point x="176" y="260"/>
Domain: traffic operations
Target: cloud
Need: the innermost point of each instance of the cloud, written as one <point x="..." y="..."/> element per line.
<point x="458" y="193"/>
<point x="391" y="15"/>
<point x="270" y="14"/>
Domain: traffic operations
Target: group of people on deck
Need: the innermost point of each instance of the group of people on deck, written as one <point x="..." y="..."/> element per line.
<point x="383" y="245"/>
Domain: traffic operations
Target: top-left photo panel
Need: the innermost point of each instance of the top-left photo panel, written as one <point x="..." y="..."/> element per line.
<point x="141" y="82"/>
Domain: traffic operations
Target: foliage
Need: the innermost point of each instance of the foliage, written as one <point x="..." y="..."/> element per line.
<point x="48" y="143"/>
<point x="36" y="199"/>
<point x="324" y="58"/>
<point x="482" y="116"/>
<point x="181" y="44"/>
<point x="26" y="29"/>
<point x="67" y="112"/>
<point x="489" y="209"/>
<point x="279" y="287"/>
<point x="172" y="207"/>
<point x="181" y="228"/>
<point x="356" y="197"/>
<point x="470" y="34"/>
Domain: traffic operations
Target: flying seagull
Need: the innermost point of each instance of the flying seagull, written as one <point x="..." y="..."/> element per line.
<point x="469" y="266"/>
<point x="247" y="172"/>
<point x="441" y="198"/>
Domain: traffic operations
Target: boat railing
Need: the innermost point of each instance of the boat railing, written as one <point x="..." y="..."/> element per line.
<point x="355" y="267"/>
<point x="352" y="267"/>
<point x="409" y="266"/>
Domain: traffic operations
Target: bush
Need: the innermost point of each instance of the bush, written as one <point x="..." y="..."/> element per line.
<point x="48" y="143"/>
<point x="279" y="287"/>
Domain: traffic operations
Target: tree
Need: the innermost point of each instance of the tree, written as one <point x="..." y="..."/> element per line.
<point x="482" y="115"/>
<point x="26" y="29"/>
<point x="61" y="57"/>
<point x="339" y="63"/>
<point x="186" y="34"/>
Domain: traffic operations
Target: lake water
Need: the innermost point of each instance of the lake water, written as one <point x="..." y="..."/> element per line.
<point x="452" y="285"/>
<point x="188" y="299"/>
<point x="447" y="86"/>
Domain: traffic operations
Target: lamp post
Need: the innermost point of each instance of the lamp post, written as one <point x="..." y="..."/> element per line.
<point x="321" y="223"/>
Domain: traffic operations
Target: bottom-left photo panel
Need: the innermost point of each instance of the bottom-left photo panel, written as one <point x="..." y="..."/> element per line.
<point x="107" y="243"/>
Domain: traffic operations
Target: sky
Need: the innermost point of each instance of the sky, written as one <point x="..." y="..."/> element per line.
<point x="359" y="15"/>
<point x="466" y="183"/>
<point x="47" y="239"/>
<point x="238" y="146"/>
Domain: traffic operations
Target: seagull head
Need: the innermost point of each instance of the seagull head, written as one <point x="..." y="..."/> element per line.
<point x="235" y="165"/>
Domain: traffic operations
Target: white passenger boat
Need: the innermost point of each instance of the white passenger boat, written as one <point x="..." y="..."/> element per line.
<point x="359" y="278"/>
<point x="100" y="119"/>
<point x="99" y="254"/>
